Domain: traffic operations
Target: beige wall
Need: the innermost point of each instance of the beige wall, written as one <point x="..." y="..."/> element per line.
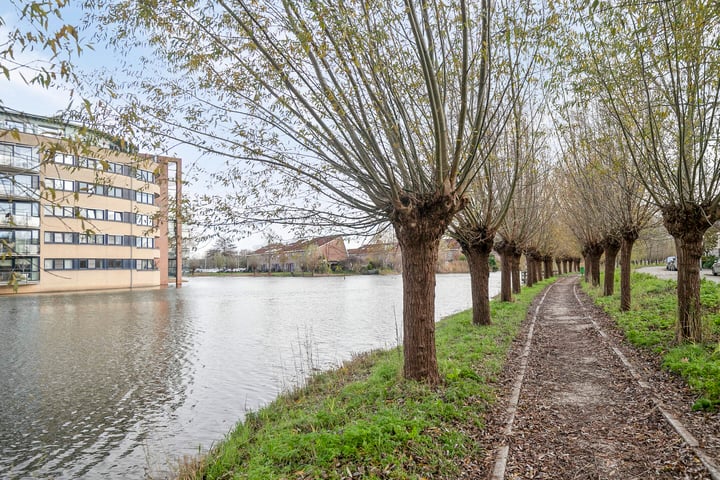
<point x="80" y="280"/>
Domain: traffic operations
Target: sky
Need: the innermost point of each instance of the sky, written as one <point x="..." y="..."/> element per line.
<point x="16" y="94"/>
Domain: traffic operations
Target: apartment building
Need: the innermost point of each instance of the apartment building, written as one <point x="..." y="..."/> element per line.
<point x="78" y="218"/>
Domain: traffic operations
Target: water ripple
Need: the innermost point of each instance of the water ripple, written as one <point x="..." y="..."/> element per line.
<point x="119" y="384"/>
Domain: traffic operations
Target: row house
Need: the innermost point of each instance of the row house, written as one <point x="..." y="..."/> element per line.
<point x="326" y="252"/>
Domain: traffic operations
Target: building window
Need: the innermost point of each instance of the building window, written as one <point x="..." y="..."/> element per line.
<point x="92" y="264"/>
<point x="115" y="192"/>
<point x="60" y="185"/>
<point x="117" y="168"/>
<point x="114" y="264"/>
<point x="145" y="242"/>
<point x="114" y="239"/>
<point x="64" y="158"/>
<point x="114" y="216"/>
<point x="145" y="265"/>
<point x="144" y="220"/>
<point x="146" y="198"/>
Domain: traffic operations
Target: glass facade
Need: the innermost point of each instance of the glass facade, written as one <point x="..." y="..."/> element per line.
<point x="19" y="214"/>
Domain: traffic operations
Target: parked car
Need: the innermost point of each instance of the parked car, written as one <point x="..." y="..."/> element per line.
<point x="671" y="263"/>
<point x="716" y="268"/>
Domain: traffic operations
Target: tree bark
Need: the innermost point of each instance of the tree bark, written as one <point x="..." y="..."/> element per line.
<point x="628" y="241"/>
<point x="477" y="252"/>
<point x="530" y="275"/>
<point x="588" y="266"/>
<point x="558" y="264"/>
<point x="505" y="250"/>
<point x="687" y="225"/>
<point x="611" y="246"/>
<point x="419" y="225"/>
<point x="548" y="260"/>
<point x="506" y="273"/>
<point x="592" y="253"/>
<point x="516" y="284"/>
<point x="595" y="261"/>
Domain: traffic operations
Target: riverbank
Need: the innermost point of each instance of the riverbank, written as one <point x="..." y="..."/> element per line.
<point x="364" y="420"/>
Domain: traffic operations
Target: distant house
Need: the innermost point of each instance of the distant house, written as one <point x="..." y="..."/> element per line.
<point x="376" y="255"/>
<point x="450" y="250"/>
<point x="300" y="256"/>
<point x="450" y="257"/>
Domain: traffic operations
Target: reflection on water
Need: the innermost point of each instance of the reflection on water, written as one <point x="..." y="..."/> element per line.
<point x="81" y="372"/>
<point x="111" y="385"/>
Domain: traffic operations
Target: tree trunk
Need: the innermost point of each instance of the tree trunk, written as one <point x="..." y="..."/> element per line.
<point x="548" y="266"/>
<point x="506" y="277"/>
<point x="505" y="250"/>
<point x="592" y="253"/>
<point x="530" y="275"/>
<point x="688" y="225"/>
<point x="629" y="238"/>
<point x="516" y="286"/>
<point x="558" y="264"/>
<point x="477" y="253"/>
<point x="595" y="261"/>
<point x="611" y="247"/>
<point x="419" y="225"/>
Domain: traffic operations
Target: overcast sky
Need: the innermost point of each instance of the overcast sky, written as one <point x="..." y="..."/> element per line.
<point x="18" y="95"/>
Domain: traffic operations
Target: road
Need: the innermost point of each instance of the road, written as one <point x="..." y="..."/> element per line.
<point x="660" y="272"/>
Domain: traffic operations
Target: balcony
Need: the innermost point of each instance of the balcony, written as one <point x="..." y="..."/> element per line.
<point x="23" y="278"/>
<point x="19" y="162"/>
<point x="18" y="192"/>
<point x="19" y="249"/>
<point x="19" y="221"/>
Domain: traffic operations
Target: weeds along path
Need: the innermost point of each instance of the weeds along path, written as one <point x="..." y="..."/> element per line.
<point x="582" y="411"/>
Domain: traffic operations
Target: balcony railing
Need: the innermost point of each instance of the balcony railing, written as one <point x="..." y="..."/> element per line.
<point x="16" y="191"/>
<point x="19" y="221"/>
<point x="22" y="249"/>
<point x="22" y="278"/>
<point x="19" y="162"/>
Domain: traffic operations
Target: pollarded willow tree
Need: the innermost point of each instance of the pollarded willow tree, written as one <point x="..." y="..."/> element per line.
<point x="582" y="201"/>
<point x="599" y="176"/>
<point x="540" y="243"/>
<point x="377" y="109"/>
<point x="511" y="152"/>
<point x="657" y="65"/>
<point x="522" y="221"/>
<point x="627" y="206"/>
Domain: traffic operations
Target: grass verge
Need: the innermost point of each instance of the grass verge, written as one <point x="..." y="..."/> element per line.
<point x="650" y="324"/>
<point x="363" y="420"/>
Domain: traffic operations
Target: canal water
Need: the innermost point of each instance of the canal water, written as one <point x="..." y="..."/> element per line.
<point x="120" y="384"/>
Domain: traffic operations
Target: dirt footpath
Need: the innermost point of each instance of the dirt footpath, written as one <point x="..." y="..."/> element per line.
<point x="587" y="406"/>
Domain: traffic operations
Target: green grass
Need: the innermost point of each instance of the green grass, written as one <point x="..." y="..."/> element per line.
<point x="650" y="324"/>
<point x="364" y="420"/>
